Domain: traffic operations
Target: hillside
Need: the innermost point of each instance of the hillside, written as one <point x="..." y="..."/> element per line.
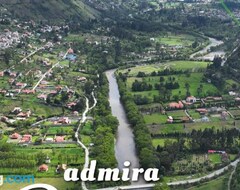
<point x="50" y="9"/>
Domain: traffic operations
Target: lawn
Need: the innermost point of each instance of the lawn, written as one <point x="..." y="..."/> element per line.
<point x="194" y="114"/>
<point x="155" y="118"/>
<point x="194" y="80"/>
<point x="188" y="127"/>
<point x="62" y="130"/>
<point x="215" y="158"/>
<point x="174" y="40"/>
<point x="176" y="65"/>
<point x="167" y="128"/>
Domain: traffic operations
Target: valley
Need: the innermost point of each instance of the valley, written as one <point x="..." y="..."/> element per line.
<point x="154" y="83"/>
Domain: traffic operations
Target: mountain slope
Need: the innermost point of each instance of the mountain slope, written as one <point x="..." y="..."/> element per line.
<point x="50" y="9"/>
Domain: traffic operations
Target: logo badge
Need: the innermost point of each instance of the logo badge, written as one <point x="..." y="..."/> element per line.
<point x="1" y="180"/>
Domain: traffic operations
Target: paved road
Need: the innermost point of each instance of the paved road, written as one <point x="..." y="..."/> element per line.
<point x="83" y="119"/>
<point x="31" y="54"/>
<point x="44" y="75"/>
<point x="150" y="186"/>
<point x="230" y="178"/>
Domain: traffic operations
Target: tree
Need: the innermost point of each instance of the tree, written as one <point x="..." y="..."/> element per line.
<point x="40" y="158"/>
<point x="7" y="56"/>
<point x="161" y="186"/>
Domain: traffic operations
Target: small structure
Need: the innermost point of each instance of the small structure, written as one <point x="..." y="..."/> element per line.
<point x="59" y="139"/>
<point x="63" y="120"/>
<point x="26" y="138"/>
<point x="202" y="111"/>
<point x="15" y="136"/>
<point x="191" y="99"/>
<point x="170" y="119"/>
<point x="205" y="119"/>
<point x="70" y="51"/>
<point x="48" y="160"/>
<point x="49" y="139"/>
<point x="42" y="97"/>
<point x="16" y="110"/>
<point x="43" y="168"/>
<point x="27" y="91"/>
<point x="175" y="105"/>
<point x="61" y="168"/>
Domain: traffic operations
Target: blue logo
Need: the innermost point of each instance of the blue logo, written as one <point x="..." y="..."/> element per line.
<point x="17" y="179"/>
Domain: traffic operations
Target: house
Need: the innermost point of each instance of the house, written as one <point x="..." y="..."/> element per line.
<point x="26" y="138"/>
<point x="76" y="113"/>
<point x="49" y="139"/>
<point x="170" y="119"/>
<point x="16" y="110"/>
<point x="3" y="91"/>
<point x="191" y="99"/>
<point x="11" y="81"/>
<point x="202" y="110"/>
<point x="21" y="85"/>
<point x="175" y="105"/>
<point x="9" y="95"/>
<point x="61" y="168"/>
<point x="42" y="97"/>
<point x="63" y="120"/>
<point x="71" y="104"/>
<point x="26" y="114"/>
<point x="43" y="168"/>
<point x="59" y="139"/>
<point x="4" y="119"/>
<point x="70" y="51"/>
<point x="53" y="92"/>
<point x="205" y="119"/>
<point x="26" y="91"/>
<point x="15" y="136"/>
<point x="82" y="79"/>
<point x="231" y="93"/>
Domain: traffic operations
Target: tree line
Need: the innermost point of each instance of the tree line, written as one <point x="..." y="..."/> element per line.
<point x="143" y="140"/>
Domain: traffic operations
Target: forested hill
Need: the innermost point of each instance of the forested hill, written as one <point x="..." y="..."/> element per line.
<point x="55" y="10"/>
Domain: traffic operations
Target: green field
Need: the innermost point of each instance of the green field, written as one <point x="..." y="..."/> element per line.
<point x="161" y="141"/>
<point x="155" y="118"/>
<point x="58" y="130"/>
<point x="177" y="40"/>
<point x="176" y="65"/>
<point x="195" y="78"/>
<point x="188" y="127"/>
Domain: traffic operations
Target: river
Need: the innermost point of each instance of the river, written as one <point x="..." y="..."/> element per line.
<point x="204" y="53"/>
<point x="125" y="149"/>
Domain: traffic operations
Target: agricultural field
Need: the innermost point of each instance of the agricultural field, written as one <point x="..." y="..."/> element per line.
<point x="196" y="82"/>
<point x="177" y="40"/>
<point x="172" y="65"/>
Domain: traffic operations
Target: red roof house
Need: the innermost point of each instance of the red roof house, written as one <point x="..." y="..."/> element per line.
<point x="43" y="168"/>
<point x="59" y="139"/>
<point x="178" y="105"/>
<point x="15" y="136"/>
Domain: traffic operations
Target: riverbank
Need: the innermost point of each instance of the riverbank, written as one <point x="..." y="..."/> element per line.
<point x="125" y="149"/>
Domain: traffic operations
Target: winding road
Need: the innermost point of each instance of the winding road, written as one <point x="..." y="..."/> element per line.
<point x="204" y="53"/>
<point x="83" y="119"/>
